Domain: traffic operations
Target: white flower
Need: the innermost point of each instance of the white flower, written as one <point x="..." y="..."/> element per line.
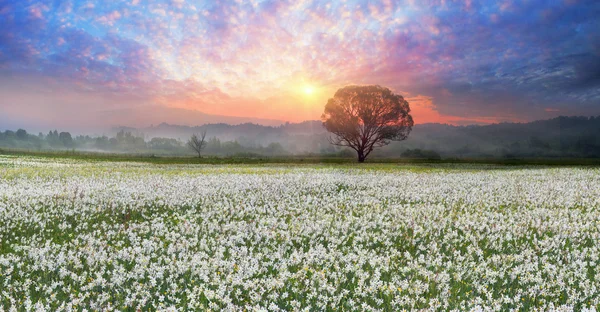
<point x="115" y="236"/>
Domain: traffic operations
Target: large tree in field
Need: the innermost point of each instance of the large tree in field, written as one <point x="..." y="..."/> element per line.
<point x="366" y="117"/>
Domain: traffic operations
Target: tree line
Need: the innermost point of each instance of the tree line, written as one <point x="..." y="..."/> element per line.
<point x="573" y="137"/>
<point x="128" y="142"/>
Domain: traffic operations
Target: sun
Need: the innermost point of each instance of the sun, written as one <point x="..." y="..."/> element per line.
<point x="308" y="90"/>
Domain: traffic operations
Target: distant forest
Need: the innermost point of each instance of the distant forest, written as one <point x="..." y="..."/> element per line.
<point x="577" y="137"/>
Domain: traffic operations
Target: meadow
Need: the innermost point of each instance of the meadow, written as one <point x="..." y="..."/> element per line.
<point x="83" y="235"/>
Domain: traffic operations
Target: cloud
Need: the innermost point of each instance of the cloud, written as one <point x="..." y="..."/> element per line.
<point x="478" y="61"/>
<point x="110" y="18"/>
<point x="36" y="12"/>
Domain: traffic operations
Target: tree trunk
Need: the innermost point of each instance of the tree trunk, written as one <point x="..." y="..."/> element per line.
<point x="361" y="157"/>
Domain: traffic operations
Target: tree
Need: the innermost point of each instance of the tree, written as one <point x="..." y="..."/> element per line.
<point x="21" y="134"/>
<point x="366" y="117"/>
<point x="197" y="143"/>
<point x="66" y="139"/>
<point x="102" y="143"/>
<point x="164" y="144"/>
<point x="53" y="139"/>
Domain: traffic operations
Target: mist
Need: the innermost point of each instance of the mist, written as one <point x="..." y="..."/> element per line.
<point x="576" y="137"/>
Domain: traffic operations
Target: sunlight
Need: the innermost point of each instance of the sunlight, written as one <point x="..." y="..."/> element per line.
<point x="309" y="90"/>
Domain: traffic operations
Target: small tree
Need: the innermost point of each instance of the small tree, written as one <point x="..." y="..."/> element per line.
<point x="366" y="117"/>
<point x="197" y="143"/>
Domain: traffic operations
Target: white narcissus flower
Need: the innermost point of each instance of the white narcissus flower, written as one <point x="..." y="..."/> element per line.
<point x="113" y="236"/>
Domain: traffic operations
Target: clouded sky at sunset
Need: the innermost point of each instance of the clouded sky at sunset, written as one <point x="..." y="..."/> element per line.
<point x="102" y="63"/>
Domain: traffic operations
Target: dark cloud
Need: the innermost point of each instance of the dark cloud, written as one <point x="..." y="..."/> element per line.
<point x="587" y="71"/>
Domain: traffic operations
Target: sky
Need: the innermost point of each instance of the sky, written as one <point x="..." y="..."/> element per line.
<point x="82" y="64"/>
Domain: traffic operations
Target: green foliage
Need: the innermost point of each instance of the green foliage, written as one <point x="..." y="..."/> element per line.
<point x="66" y="139"/>
<point x="341" y="158"/>
<point x="418" y="153"/>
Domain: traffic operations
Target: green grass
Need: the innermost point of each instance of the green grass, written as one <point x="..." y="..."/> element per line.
<point x="308" y="159"/>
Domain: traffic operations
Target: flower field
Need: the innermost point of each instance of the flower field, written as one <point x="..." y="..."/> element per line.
<point x="78" y="236"/>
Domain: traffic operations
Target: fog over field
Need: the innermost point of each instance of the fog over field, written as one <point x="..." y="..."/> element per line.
<point x="564" y="136"/>
<point x="577" y="137"/>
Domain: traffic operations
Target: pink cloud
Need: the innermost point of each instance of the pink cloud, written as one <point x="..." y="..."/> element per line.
<point x="494" y="18"/>
<point x="506" y="6"/>
<point x="110" y="18"/>
<point x="5" y="10"/>
<point x="160" y="12"/>
<point x="37" y="11"/>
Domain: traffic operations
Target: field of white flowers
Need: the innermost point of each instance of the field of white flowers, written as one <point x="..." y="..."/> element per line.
<point x="78" y="236"/>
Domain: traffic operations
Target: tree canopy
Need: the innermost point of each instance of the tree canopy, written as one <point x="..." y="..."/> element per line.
<point x="366" y="117"/>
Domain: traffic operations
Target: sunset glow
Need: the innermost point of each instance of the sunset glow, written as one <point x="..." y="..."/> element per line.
<point x="309" y="90"/>
<point x="138" y="62"/>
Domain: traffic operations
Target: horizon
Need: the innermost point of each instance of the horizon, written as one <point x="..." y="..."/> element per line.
<point x="284" y="123"/>
<point x="112" y="129"/>
<point x="88" y="66"/>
